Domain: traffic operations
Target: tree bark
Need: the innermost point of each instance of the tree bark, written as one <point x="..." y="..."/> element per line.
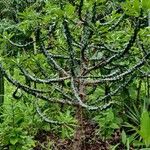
<point x="78" y="137"/>
<point x="1" y="88"/>
<point x="79" y="133"/>
<point x="1" y="94"/>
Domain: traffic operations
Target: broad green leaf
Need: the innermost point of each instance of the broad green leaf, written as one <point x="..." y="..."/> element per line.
<point x="69" y="10"/>
<point x="128" y="144"/>
<point x="13" y="140"/>
<point x="146" y="4"/>
<point x="123" y="137"/>
<point x="145" y="127"/>
<point x="136" y="5"/>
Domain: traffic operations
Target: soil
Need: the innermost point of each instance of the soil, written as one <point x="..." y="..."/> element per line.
<point x="91" y="141"/>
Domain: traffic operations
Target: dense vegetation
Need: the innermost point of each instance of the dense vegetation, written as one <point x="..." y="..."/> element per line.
<point x="74" y="74"/>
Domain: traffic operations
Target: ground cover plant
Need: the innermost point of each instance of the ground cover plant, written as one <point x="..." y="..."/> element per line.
<point x="79" y="72"/>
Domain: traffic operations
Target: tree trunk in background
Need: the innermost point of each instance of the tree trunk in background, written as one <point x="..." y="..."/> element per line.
<point x="1" y="93"/>
<point x="1" y="88"/>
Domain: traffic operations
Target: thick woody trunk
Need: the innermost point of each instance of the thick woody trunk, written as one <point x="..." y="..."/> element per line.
<point x="79" y="134"/>
<point x="78" y="137"/>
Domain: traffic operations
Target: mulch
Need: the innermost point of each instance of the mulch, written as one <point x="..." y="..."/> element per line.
<point x="91" y="141"/>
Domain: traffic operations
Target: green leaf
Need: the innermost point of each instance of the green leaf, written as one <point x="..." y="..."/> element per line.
<point x="145" y="4"/>
<point x="114" y="147"/>
<point x="69" y="10"/>
<point x="136" y="5"/>
<point x="128" y="144"/>
<point x="137" y="143"/>
<point x="114" y="126"/>
<point x="13" y="140"/>
<point x="123" y="137"/>
<point x="110" y="116"/>
<point x="145" y="127"/>
<point x="131" y="8"/>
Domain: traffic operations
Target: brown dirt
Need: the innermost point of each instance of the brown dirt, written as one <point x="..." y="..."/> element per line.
<point x="90" y="142"/>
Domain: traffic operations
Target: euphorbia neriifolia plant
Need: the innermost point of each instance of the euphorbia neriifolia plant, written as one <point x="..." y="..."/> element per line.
<point x="78" y="53"/>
